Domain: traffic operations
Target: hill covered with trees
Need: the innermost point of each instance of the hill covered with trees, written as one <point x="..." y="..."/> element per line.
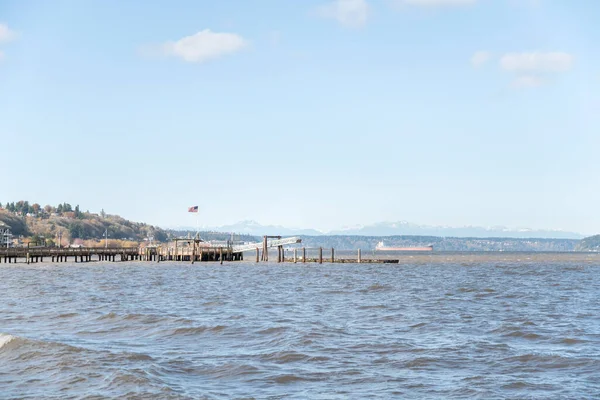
<point x="591" y="243"/>
<point x="47" y="223"/>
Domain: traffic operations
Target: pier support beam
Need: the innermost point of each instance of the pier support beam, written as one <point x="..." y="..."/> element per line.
<point x="320" y="255"/>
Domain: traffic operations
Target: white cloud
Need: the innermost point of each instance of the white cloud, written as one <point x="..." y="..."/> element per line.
<point x="480" y="58"/>
<point x="537" y="62"/>
<point x="204" y="46"/>
<point x="6" y="35"/>
<point x="351" y="13"/>
<point x="527" y="81"/>
<point x="437" y="3"/>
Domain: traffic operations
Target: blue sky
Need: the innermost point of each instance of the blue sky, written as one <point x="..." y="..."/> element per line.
<point x="305" y="113"/>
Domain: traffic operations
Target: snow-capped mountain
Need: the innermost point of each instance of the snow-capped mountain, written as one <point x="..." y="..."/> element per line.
<point x="395" y="229"/>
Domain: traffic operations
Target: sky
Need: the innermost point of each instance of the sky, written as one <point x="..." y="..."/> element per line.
<point x="310" y="114"/>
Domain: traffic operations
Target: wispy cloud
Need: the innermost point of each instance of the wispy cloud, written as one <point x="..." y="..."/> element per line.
<point x="435" y="3"/>
<point x="204" y="46"/>
<point x="527" y="81"/>
<point x="6" y="34"/>
<point x="350" y="13"/>
<point x="531" y="69"/>
<point x="480" y="58"/>
<point x="537" y="62"/>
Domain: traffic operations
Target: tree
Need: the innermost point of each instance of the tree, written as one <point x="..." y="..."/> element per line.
<point x="77" y="212"/>
<point x="20" y="206"/>
<point x="76" y="231"/>
<point x="48" y="208"/>
<point x="102" y="213"/>
<point x="59" y="209"/>
<point x="35" y="208"/>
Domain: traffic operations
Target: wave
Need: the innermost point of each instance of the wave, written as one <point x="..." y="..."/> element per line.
<point x="5" y="339"/>
<point x="273" y="330"/>
<point x="285" y="357"/>
<point x="145" y="319"/>
<point x="377" y="287"/>
<point x="571" y="341"/>
<point x="195" y="330"/>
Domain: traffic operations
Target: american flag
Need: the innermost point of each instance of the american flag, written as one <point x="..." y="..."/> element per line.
<point x="193" y="209"/>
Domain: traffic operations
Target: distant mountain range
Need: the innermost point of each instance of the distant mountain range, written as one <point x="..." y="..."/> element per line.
<point x="395" y="229"/>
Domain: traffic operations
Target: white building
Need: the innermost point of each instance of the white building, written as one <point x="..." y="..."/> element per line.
<point x="5" y="235"/>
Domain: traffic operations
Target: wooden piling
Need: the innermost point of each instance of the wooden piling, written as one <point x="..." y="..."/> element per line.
<point x="320" y="255"/>
<point x="295" y="255"/>
<point x="265" y="250"/>
<point x="359" y="257"/>
<point x="257" y="254"/>
<point x="332" y="255"/>
<point x="221" y="255"/>
<point x="304" y="254"/>
<point x="194" y="252"/>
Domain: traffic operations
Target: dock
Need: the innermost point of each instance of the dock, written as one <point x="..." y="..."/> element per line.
<point x="190" y="250"/>
<point x="191" y="254"/>
<point x="57" y="254"/>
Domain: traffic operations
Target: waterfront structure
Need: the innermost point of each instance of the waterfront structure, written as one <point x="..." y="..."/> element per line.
<point x="5" y="235"/>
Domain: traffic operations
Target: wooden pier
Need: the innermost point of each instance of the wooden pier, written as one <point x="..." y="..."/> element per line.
<point x="56" y="254"/>
<point x="191" y="254"/>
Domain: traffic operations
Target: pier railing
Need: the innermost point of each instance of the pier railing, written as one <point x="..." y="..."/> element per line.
<point x="68" y="251"/>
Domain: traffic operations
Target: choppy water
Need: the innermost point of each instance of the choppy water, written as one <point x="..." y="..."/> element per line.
<point x="433" y="326"/>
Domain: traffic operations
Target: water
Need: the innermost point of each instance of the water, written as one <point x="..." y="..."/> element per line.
<point x="433" y="326"/>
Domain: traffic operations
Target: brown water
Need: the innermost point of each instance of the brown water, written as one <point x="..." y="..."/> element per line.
<point x="434" y="326"/>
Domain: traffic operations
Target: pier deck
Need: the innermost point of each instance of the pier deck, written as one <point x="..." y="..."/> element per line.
<point x="189" y="254"/>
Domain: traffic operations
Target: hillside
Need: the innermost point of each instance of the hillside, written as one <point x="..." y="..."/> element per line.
<point x="591" y="243"/>
<point x="368" y="243"/>
<point x="34" y="221"/>
<point x="17" y="225"/>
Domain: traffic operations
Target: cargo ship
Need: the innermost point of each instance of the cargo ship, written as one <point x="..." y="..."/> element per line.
<point x="381" y="247"/>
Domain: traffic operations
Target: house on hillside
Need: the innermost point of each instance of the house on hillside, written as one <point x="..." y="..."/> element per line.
<point x="6" y="239"/>
<point x="77" y="243"/>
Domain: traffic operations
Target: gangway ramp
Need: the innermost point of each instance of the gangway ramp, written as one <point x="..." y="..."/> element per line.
<point x="270" y="243"/>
